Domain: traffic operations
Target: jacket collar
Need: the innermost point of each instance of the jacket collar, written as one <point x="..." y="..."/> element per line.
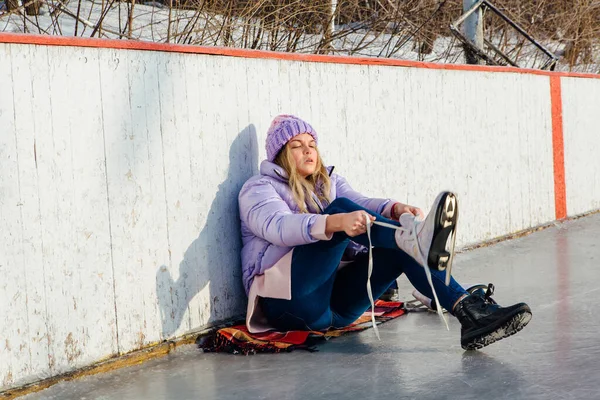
<point x="274" y="171"/>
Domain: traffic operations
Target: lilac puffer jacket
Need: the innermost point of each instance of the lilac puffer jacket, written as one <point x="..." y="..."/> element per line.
<point x="271" y="220"/>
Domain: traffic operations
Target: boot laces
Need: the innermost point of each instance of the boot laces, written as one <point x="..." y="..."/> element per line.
<point x="486" y="297"/>
<point x="488" y="294"/>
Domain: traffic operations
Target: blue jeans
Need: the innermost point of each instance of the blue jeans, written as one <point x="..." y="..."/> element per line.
<point x="323" y="297"/>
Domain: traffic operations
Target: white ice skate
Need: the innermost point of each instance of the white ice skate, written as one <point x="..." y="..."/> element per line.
<point x="427" y="240"/>
<point x="424" y="240"/>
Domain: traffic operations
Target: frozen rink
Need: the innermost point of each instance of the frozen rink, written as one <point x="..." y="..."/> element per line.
<point x="555" y="357"/>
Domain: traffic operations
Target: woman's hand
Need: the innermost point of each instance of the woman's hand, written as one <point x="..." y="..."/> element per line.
<point x="352" y="223"/>
<point x="400" y="209"/>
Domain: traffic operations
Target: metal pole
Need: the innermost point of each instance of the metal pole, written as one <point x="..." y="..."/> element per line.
<point x="473" y="28"/>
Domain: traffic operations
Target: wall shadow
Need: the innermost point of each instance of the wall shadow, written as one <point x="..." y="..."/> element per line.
<point x="212" y="259"/>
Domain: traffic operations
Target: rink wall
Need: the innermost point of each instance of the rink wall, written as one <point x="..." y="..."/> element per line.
<point x="120" y="163"/>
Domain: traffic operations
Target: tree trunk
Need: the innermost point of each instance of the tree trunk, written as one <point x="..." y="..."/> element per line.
<point x="12" y="5"/>
<point x="33" y="8"/>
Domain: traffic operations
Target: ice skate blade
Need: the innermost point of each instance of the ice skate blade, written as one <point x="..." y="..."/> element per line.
<point x="440" y="258"/>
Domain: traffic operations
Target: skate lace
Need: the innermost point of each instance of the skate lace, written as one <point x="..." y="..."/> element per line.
<point x="423" y="261"/>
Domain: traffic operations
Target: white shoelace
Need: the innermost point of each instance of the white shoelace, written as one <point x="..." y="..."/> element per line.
<point x="423" y="262"/>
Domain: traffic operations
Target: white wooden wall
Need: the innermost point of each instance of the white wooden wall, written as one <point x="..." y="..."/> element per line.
<point x="119" y="174"/>
<point x="581" y="115"/>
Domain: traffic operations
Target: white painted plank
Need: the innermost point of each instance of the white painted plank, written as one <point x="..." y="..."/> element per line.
<point x="407" y="166"/>
<point x="536" y="119"/>
<point x="299" y="88"/>
<point x="117" y="119"/>
<point x="239" y="169"/>
<point x="91" y="242"/>
<point x="260" y="113"/>
<point x="390" y="101"/>
<point x="175" y="137"/>
<point x="136" y="191"/>
<point x="314" y="111"/>
<point x="286" y="94"/>
<point x="378" y="94"/>
<point x="409" y="149"/>
<point x="56" y="207"/>
<point x="323" y="119"/>
<point x="32" y="116"/>
<point x="272" y="85"/>
<point x="153" y="217"/>
<point x="514" y="137"/>
<point x="497" y="131"/>
<point x="581" y="132"/>
<point x="79" y="286"/>
<point x="159" y="249"/>
<point x="195" y="267"/>
<point x="350" y="142"/>
<point x="219" y="232"/>
<point x="14" y="330"/>
<point x="235" y="164"/>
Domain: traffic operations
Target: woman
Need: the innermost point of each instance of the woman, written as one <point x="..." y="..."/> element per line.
<point x="304" y="257"/>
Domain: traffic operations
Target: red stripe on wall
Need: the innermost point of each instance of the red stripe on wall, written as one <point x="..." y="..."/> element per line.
<point x="558" y="149"/>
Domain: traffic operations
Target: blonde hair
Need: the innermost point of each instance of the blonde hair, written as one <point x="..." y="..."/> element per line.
<point x="303" y="188"/>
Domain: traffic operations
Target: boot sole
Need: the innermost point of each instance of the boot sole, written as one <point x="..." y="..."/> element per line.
<point x="446" y="216"/>
<point x="513" y="325"/>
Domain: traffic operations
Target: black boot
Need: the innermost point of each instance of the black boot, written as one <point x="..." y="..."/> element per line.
<point x="485" y="322"/>
<point x="390" y="295"/>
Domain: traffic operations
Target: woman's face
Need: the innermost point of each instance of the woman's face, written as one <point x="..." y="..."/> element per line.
<point x="303" y="149"/>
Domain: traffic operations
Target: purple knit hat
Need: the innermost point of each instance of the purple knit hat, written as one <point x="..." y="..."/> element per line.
<point x="282" y="129"/>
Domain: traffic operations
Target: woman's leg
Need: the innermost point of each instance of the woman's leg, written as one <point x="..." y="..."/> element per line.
<point x="313" y="272"/>
<point x="349" y="299"/>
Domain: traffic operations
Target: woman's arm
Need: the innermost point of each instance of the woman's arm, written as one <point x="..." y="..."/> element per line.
<point x="268" y="216"/>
